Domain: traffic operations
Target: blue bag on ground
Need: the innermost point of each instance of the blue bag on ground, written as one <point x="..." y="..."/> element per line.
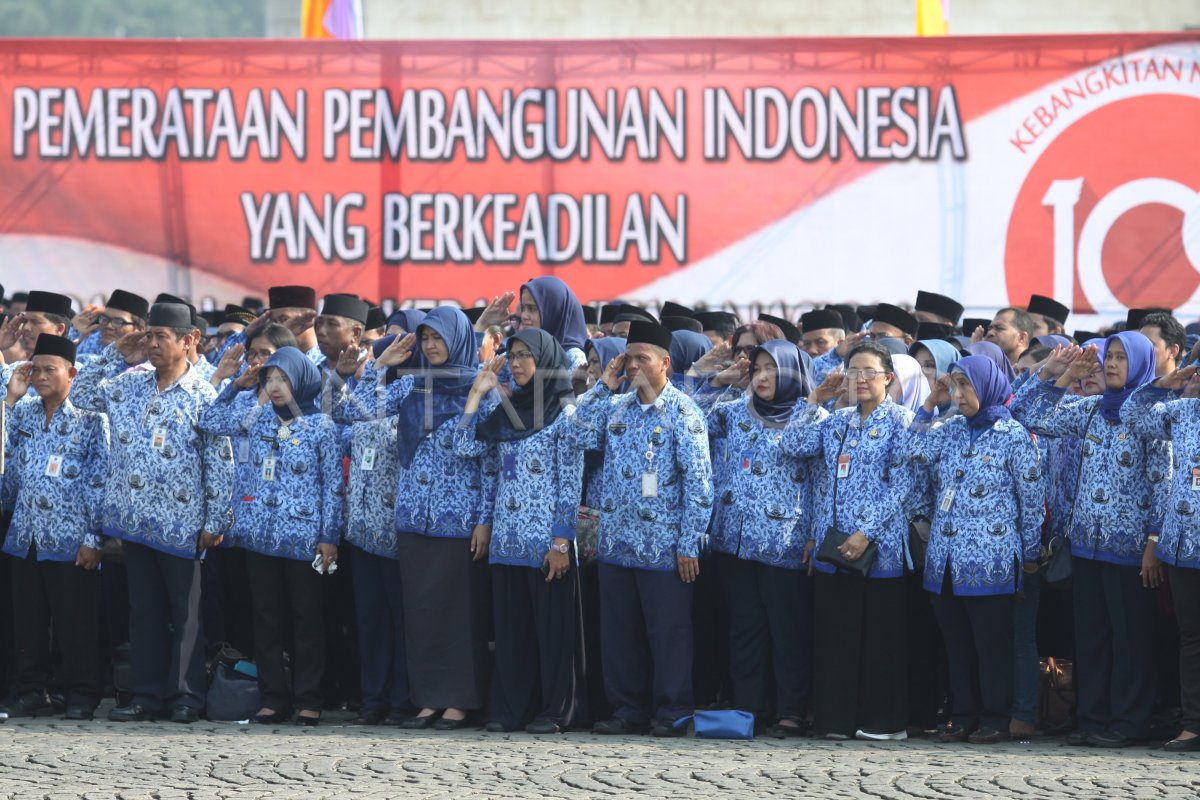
<point x="232" y="696"/>
<point x="724" y="724"/>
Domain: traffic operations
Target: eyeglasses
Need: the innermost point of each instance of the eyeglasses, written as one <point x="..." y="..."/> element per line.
<point x="744" y="349"/>
<point x="113" y="322"/>
<point x="866" y="374"/>
<point x="520" y="355"/>
<point x="259" y="355"/>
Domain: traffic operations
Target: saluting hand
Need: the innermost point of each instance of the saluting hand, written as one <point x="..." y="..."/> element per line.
<point x="227" y="367"/>
<point x="18" y="383"/>
<point x="1177" y="380"/>
<point x="10" y="332"/>
<point x="398" y="352"/>
<point x="1058" y="361"/>
<point x="714" y="360"/>
<point x="132" y="347"/>
<point x="613" y="373"/>
<point x="1084" y="362"/>
<point x="350" y="360"/>
<point x="301" y="322"/>
<point x="249" y="378"/>
<point x="940" y="395"/>
<point x="496" y="312"/>
<point x="830" y="388"/>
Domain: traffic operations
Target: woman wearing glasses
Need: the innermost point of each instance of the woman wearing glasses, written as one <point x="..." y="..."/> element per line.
<point x="726" y="367"/>
<point x="860" y="681"/>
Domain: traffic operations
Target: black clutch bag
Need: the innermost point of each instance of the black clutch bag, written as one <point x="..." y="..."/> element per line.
<point x="829" y="553"/>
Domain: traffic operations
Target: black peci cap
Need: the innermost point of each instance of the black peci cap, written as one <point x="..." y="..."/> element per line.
<point x="238" y="314"/>
<point x="971" y="323"/>
<point x="253" y="303"/>
<point x="632" y="313"/>
<point x="1084" y="336"/>
<point x="865" y="312"/>
<point x="608" y="313"/>
<point x="1133" y="320"/>
<point x="345" y="305"/>
<point x="821" y="319"/>
<point x="171" y="315"/>
<point x="590" y="315"/>
<point x="643" y="332"/>
<point x="375" y="318"/>
<point x="719" y="321"/>
<point x="1048" y="307"/>
<point x="50" y="345"/>
<point x="939" y="304"/>
<point x="682" y="324"/>
<point x="933" y="330"/>
<point x="672" y="309"/>
<point x="790" y="331"/>
<point x="292" y="297"/>
<point x="473" y="314"/>
<point x="49" y="303"/>
<point x="897" y="317"/>
<point x="129" y="302"/>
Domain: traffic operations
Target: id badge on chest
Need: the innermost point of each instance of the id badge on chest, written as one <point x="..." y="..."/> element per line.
<point x="1196" y="479"/>
<point x="843" y="466"/>
<point x="947" y="500"/>
<point x="649" y="484"/>
<point x="54" y="466"/>
<point x="368" y="459"/>
<point x="746" y="458"/>
<point x="243" y="451"/>
<point x="509" y="466"/>
<point x="268" y="468"/>
<point x="158" y="437"/>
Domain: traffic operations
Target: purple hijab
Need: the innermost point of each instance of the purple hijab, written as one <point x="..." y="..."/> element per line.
<point x="1140" y="355"/>
<point x="991" y="387"/>
<point x="996" y="356"/>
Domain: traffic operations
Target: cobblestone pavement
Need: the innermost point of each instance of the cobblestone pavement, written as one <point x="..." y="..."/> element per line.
<point x="48" y="758"/>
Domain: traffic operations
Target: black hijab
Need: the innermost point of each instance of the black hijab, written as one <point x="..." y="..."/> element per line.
<point x="536" y="404"/>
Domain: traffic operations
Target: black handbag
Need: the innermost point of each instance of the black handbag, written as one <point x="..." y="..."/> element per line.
<point x="918" y="542"/>
<point x="1056" y="565"/>
<point x="829" y="552"/>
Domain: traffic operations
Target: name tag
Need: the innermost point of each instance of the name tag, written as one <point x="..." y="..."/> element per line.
<point x="746" y="454"/>
<point x="158" y="437"/>
<point x="243" y="454"/>
<point x="268" y="468"/>
<point x="1196" y="479"/>
<point x="54" y="466"/>
<point x="947" y="500"/>
<point x="509" y="467"/>
<point x="843" y="467"/>
<point x="649" y="484"/>
<point x="368" y="459"/>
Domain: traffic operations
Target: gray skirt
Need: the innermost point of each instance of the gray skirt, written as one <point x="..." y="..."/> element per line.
<point x="447" y="613"/>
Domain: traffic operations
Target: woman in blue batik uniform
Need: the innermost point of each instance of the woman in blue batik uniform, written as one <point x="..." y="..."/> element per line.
<point x="860" y="681"/>
<point x="1116" y="513"/>
<point x="761" y="522"/>
<point x="536" y="501"/>
<point x="288" y="508"/>
<point x="442" y="515"/>
<point x="987" y="521"/>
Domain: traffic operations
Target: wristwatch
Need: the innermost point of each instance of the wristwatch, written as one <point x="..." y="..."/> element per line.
<point x="563" y="548"/>
<point x="1153" y="538"/>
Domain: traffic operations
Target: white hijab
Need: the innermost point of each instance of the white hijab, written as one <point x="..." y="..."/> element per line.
<point x="910" y="383"/>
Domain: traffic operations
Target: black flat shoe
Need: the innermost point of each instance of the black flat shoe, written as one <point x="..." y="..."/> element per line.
<point x="309" y="722"/>
<point x="274" y="718"/>
<point x="394" y="719"/>
<point x="185" y="715"/>
<point x="370" y="718"/>
<point x="420" y="723"/>
<point x="668" y="730"/>
<point x="30" y="704"/>
<point x="444" y="724"/>
<point x="1110" y="740"/>
<point x="779" y="731"/>
<point x="619" y="727"/>
<point x="1079" y="739"/>
<point x="131" y="713"/>
<point x="543" y="726"/>
<point x="495" y="727"/>
<point x="1191" y="745"/>
<point x="79" y="713"/>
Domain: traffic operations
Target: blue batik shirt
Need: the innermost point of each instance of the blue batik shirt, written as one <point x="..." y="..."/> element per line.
<point x="54" y="479"/>
<point x="763" y="508"/>
<point x="874" y="495"/>
<point x="289" y="497"/>
<point x="642" y="529"/>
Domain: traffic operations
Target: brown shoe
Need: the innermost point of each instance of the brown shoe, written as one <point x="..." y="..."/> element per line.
<point x="1019" y="729"/>
<point x="951" y="734"/>
<point x="987" y="736"/>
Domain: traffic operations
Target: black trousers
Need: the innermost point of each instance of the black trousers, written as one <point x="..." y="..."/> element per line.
<point x="57" y="595"/>
<point x="978" y="635"/>
<point x="379" y="606"/>
<point x="646" y="636"/>
<point x="340" y="685"/>
<point x="927" y="671"/>
<point x="711" y="681"/>
<point x="770" y="635"/>
<point x="1185" y="589"/>
<point x="538" y="674"/>
<point x="860" y="647"/>
<point x="283" y="591"/>
<point x="589" y="600"/>
<point x="1114" y="648"/>
<point x="165" y="637"/>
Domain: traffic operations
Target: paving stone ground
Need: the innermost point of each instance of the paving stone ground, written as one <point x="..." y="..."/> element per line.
<point x="50" y="758"/>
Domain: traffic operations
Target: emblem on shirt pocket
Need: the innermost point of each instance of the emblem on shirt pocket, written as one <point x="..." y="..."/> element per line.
<point x="647" y="515"/>
<point x="627" y="473"/>
<point x="124" y="438"/>
<point x="758" y="468"/>
<point x="608" y="507"/>
<point x="617" y="428"/>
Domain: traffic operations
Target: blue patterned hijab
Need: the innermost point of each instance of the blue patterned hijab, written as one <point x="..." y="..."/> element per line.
<point x="992" y="388"/>
<point x="303" y="376"/>
<point x="793" y="379"/>
<point x="560" y="311"/>
<point x="1139" y="353"/>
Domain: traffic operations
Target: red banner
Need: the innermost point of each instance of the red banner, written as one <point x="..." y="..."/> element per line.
<point x="720" y="171"/>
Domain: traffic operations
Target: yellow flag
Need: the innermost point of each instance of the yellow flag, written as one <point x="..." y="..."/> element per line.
<point x="933" y="17"/>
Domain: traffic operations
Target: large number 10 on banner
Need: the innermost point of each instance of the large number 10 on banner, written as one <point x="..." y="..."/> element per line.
<point x="722" y="171"/>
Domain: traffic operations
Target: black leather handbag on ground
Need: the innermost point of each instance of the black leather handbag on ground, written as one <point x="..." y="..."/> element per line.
<point x="829" y="553"/>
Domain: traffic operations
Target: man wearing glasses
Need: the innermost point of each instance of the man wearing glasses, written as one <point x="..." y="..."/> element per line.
<point x="125" y="312"/>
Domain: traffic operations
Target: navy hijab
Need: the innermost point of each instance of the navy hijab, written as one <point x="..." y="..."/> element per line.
<point x="996" y="356"/>
<point x="607" y="348"/>
<point x="439" y="393"/>
<point x="537" y="403"/>
<point x="687" y="347"/>
<point x="560" y="311"/>
<point x="407" y="318"/>
<point x="992" y="388"/>
<point x="1139" y="353"/>
<point x="302" y="374"/>
<point x="793" y="380"/>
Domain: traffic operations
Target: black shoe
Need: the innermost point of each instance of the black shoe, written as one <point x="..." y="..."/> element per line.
<point x="668" y="730"/>
<point x="274" y="718"/>
<point x="370" y="718"/>
<point x="185" y="715"/>
<point x="780" y="731"/>
<point x="543" y="726"/>
<point x="395" y="719"/>
<point x="495" y="727"/>
<point x="309" y="722"/>
<point x="420" y="723"/>
<point x="30" y="704"/>
<point x="58" y="702"/>
<point x="444" y="724"/>
<point x="82" y="713"/>
<point x="1079" y="739"/>
<point x="1191" y="745"/>
<point x="619" y="727"/>
<point x="1110" y="739"/>
<point x="131" y="713"/>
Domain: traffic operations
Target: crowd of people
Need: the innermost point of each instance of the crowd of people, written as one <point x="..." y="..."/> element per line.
<point x="552" y="516"/>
